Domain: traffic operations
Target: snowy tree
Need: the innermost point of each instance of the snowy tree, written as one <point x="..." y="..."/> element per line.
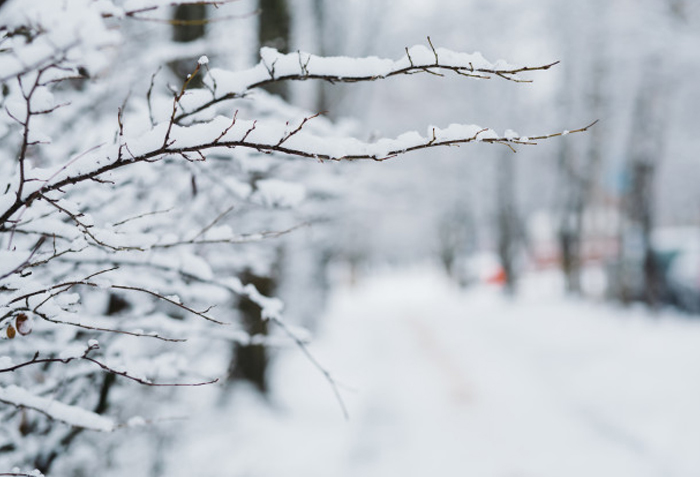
<point x="132" y="210"/>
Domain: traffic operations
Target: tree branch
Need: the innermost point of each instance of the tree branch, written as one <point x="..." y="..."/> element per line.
<point x="291" y="67"/>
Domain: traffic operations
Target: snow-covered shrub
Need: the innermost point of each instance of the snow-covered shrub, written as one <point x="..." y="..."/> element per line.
<point x="126" y="219"/>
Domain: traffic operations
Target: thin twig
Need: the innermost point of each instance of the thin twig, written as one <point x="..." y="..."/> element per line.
<point x="312" y="359"/>
<point x="85" y="357"/>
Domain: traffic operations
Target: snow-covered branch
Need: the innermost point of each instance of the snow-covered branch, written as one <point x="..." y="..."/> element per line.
<point x="265" y="137"/>
<point x="300" y="66"/>
<point x="73" y="415"/>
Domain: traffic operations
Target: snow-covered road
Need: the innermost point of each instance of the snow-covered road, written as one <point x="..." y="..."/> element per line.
<point x="445" y="382"/>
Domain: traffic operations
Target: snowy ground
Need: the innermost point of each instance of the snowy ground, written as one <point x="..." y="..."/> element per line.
<point x="464" y="383"/>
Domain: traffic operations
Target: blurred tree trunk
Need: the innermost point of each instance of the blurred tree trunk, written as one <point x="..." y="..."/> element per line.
<point x="325" y="47"/>
<point x="339" y="33"/>
<point x="578" y="179"/>
<point x="274" y="31"/>
<point x="319" y="8"/>
<point x="456" y="238"/>
<point x="679" y="9"/>
<point x="509" y="232"/>
<point x="571" y="219"/>
<point x="249" y="361"/>
<point x="644" y="151"/>
<point x="189" y="24"/>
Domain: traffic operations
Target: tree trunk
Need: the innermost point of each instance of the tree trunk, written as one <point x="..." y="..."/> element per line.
<point x="249" y="361"/>
<point x="507" y="219"/>
<point x="274" y="31"/>
<point x="189" y="24"/>
<point x="578" y="180"/>
<point x="644" y="151"/>
<point x="570" y="222"/>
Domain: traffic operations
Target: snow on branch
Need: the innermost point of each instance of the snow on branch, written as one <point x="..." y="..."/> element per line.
<point x="73" y="415"/>
<point x="170" y="139"/>
<point x="300" y="66"/>
<point x="59" y="33"/>
<point x="42" y="297"/>
<point x="17" y="473"/>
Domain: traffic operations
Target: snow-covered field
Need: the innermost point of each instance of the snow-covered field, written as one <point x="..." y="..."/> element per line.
<point x="440" y="381"/>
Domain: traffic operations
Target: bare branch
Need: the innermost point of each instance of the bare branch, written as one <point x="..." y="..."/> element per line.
<point x="312" y="359"/>
<point x="437" y="60"/>
<point x="112" y="330"/>
<point x="295" y="131"/>
<point x="145" y="382"/>
<point x="140" y="216"/>
<point x="85" y="357"/>
<point x="201" y="314"/>
<point x="225" y="131"/>
<point x="148" y="96"/>
<point x="214" y="222"/>
<point x="176" y="101"/>
<point x="25" y="263"/>
<point x="243" y="238"/>
<point x="562" y="133"/>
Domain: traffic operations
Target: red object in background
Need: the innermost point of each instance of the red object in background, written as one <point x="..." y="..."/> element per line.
<point x="498" y="278"/>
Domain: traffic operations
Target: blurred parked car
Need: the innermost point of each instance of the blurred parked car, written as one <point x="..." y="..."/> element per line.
<point x="676" y="252"/>
<point x="683" y="281"/>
